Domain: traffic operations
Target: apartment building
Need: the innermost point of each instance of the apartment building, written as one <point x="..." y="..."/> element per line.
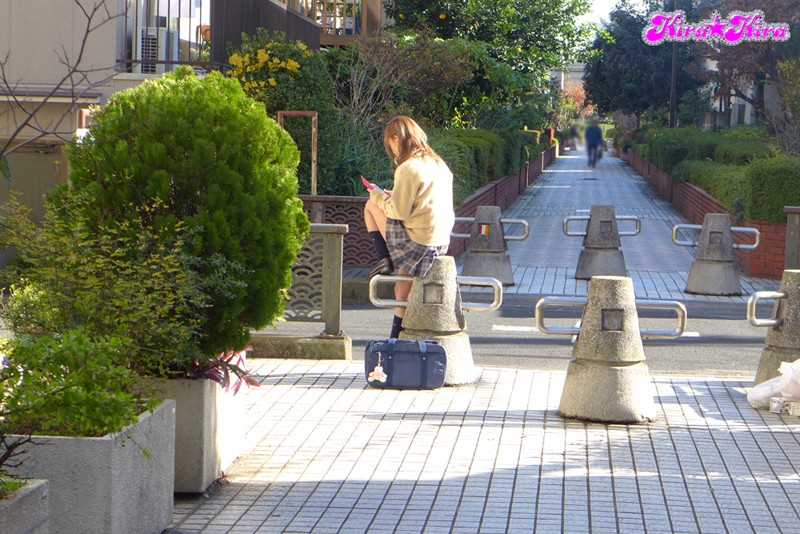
<point x="59" y="58"/>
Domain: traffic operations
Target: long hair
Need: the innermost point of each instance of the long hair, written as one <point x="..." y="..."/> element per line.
<point x="411" y="140"/>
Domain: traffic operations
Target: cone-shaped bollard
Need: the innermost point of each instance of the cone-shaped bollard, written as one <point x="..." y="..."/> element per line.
<point x="608" y="380"/>
<point x="487" y="250"/>
<point x="714" y="270"/>
<point x="434" y="312"/>
<point x="783" y="340"/>
<point x="601" y="254"/>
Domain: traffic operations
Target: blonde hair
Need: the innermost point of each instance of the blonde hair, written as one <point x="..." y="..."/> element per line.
<point x="411" y="140"/>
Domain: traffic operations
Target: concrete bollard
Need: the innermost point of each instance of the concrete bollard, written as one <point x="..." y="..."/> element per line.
<point x="434" y="310"/>
<point x="487" y="248"/>
<point x="608" y="380"/>
<point x="783" y="336"/>
<point x="714" y="270"/>
<point x="601" y="254"/>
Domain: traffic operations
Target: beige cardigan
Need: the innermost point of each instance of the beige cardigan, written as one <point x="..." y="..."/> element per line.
<point x="422" y="198"/>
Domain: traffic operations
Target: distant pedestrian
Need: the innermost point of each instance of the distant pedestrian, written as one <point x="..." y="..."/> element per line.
<point x="593" y="136"/>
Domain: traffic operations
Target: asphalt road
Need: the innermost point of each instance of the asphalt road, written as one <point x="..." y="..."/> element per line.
<point x="718" y="342"/>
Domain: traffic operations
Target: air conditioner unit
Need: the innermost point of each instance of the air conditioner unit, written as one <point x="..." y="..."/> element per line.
<point x="156" y="44"/>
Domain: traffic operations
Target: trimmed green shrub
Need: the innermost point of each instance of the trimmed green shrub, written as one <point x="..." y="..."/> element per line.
<point x="771" y="184"/>
<point x="513" y="151"/>
<point x="181" y="150"/>
<point x="726" y="183"/>
<point x="123" y="279"/>
<point x="701" y="145"/>
<point x="488" y="150"/>
<point x="69" y="386"/>
<point x="739" y="151"/>
<point x="667" y="152"/>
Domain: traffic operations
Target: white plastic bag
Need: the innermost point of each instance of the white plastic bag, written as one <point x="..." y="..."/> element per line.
<point x="790" y="379"/>
<point x="760" y="394"/>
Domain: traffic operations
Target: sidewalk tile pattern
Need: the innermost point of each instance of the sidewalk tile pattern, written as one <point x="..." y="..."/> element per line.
<point x="331" y="455"/>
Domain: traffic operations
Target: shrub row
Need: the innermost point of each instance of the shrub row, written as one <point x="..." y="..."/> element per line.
<point x="771" y="184"/>
<point x="757" y="191"/>
<point x="668" y="147"/>
<point x="726" y="183"/>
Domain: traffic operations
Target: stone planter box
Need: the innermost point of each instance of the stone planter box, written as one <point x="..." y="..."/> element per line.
<point x="26" y="510"/>
<point x="114" y="483"/>
<point x="209" y="430"/>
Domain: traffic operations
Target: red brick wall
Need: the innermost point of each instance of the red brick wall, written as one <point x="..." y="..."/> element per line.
<point x="769" y="259"/>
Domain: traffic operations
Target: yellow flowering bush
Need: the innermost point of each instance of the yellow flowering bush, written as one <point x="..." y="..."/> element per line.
<point x="258" y="66"/>
<point x="287" y="76"/>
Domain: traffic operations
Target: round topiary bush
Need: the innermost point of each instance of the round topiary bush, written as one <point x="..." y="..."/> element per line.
<point x="198" y="154"/>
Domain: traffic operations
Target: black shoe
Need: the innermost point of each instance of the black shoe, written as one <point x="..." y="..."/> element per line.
<point x="384" y="266"/>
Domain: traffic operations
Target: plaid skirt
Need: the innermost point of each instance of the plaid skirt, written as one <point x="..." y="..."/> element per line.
<point x="408" y="255"/>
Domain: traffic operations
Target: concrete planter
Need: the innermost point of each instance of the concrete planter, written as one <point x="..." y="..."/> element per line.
<point x="114" y="483"/>
<point x="26" y="510"/>
<point x="208" y="430"/>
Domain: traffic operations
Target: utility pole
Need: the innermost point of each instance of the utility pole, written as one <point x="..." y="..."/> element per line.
<point x="673" y="89"/>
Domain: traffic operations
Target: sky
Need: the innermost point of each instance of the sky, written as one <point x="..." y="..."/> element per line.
<point x="600" y="10"/>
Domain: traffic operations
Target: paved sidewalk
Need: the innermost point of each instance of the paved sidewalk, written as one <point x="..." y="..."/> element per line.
<point x="330" y="455"/>
<point x="544" y="264"/>
<point x="325" y="453"/>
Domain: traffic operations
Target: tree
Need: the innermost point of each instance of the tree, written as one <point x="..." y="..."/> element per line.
<point x="532" y="37"/>
<point x="735" y="68"/>
<point x="576" y="94"/>
<point x="221" y="168"/>
<point x="625" y="74"/>
<point x="29" y="124"/>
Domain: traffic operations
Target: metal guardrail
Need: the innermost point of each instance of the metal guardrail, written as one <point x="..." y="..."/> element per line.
<point x="752" y="302"/>
<point x="523" y="222"/>
<point x="675" y="306"/>
<point x="627" y="233"/>
<point x="497" y="294"/>
<point x="699" y="227"/>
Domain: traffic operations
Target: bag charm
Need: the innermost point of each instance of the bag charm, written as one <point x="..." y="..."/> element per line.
<point x="377" y="374"/>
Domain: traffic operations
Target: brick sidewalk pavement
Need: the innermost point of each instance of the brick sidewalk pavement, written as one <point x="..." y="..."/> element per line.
<point x="330" y="455"/>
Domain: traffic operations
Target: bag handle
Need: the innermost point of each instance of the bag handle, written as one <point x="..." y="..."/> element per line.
<point x="423" y="346"/>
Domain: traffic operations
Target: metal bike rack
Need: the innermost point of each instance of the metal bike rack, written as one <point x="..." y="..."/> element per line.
<point x="675" y="306"/>
<point x="628" y="233"/>
<point x="497" y="294"/>
<point x="699" y="227"/>
<point x="752" y="302"/>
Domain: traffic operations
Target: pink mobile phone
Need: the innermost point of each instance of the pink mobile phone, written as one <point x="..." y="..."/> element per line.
<point x="370" y="185"/>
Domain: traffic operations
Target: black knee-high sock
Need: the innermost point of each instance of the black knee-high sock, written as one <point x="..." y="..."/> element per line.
<point x="380" y="244"/>
<point x="397" y="326"/>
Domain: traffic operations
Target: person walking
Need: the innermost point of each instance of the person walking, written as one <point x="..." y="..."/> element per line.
<point x="410" y="224"/>
<point x="593" y="137"/>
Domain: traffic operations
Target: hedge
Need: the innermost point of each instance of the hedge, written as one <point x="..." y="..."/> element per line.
<point x="739" y="151"/>
<point x="771" y="184"/>
<point x="669" y="147"/>
<point x="726" y="183"/>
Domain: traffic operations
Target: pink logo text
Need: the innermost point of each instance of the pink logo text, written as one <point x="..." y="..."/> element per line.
<point x="738" y="27"/>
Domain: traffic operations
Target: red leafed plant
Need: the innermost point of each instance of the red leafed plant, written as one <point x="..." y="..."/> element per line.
<point x="229" y="370"/>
